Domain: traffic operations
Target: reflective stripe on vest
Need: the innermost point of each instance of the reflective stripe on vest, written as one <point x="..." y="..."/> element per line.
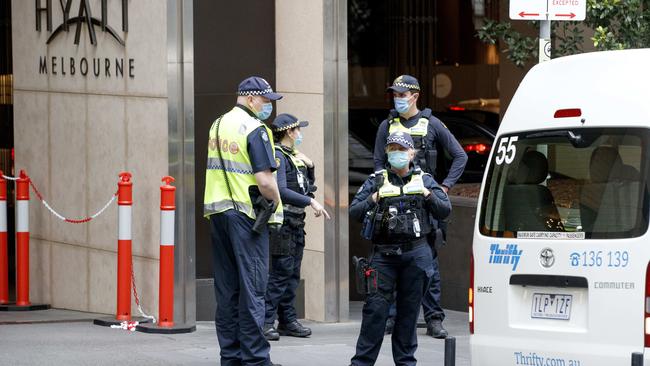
<point x="234" y="128"/>
<point x="414" y="186"/>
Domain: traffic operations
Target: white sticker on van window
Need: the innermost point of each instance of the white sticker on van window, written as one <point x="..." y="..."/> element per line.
<point x="550" y="235"/>
<point x="506" y="153"/>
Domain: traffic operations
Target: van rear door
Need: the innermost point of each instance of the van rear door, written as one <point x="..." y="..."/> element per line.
<point x="561" y="250"/>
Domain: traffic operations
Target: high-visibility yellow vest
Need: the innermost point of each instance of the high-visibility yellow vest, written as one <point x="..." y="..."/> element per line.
<point x="419" y="129"/>
<point x="234" y="128"/>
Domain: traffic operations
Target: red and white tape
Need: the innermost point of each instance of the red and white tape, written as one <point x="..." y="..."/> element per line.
<point x="124" y="232"/>
<point x="63" y="218"/>
<point x="126" y="325"/>
<point x="10" y="178"/>
<point x="137" y="299"/>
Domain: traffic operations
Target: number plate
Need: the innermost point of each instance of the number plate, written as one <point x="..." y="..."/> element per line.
<point x="551" y="306"/>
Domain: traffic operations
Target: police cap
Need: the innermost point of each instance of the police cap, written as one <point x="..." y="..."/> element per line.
<point x="404" y="83"/>
<point x="286" y="121"/>
<point x="401" y="138"/>
<point x="256" y="85"/>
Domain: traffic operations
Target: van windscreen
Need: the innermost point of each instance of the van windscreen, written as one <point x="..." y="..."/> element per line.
<point x="568" y="184"/>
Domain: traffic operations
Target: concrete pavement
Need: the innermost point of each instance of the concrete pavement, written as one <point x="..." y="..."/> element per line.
<point x="59" y="337"/>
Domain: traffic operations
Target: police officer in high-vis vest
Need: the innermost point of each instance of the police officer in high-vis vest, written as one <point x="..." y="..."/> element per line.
<point x="431" y="137"/>
<point x="295" y="176"/>
<point x="399" y="207"/>
<point x="241" y="200"/>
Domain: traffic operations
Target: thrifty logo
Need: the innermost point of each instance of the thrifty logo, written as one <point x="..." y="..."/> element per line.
<point x="509" y="255"/>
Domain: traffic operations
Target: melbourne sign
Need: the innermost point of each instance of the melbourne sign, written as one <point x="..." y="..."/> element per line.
<point x="104" y="67"/>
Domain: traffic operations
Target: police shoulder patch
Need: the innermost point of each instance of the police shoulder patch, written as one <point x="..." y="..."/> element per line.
<point x="277" y="162"/>
<point x="265" y="136"/>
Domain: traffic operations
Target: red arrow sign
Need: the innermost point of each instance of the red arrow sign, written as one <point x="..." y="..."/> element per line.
<point x="524" y="14"/>
<point x="571" y="15"/>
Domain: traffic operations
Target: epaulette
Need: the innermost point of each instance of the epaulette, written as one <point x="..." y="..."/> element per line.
<point x="392" y="115"/>
<point x="378" y="176"/>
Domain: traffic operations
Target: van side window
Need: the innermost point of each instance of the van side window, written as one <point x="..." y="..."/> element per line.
<point x="591" y="181"/>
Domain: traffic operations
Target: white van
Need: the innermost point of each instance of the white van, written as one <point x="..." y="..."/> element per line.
<point x="560" y="273"/>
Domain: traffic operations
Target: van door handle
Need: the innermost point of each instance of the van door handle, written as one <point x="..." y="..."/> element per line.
<point x="549" y="281"/>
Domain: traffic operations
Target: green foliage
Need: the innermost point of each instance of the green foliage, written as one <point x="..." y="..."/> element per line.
<point x="616" y="24"/>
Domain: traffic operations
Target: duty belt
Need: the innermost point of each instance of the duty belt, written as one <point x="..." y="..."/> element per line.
<point x="293" y="209"/>
<point x="406" y="247"/>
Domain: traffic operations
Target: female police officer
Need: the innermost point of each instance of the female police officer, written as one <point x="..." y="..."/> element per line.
<point x="295" y="177"/>
<point x="399" y="206"/>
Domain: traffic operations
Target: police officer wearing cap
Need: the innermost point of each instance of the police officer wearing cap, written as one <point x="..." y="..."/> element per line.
<point x="430" y="136"/>
<point x="239" y="187"/>
<point x="295" y="176"/>
<point x="402" y="205"/>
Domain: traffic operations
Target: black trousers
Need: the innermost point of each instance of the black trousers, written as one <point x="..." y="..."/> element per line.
<point x="408" y="276"/>
<point x="240" y="260"/>
<point x="283" y="282"/>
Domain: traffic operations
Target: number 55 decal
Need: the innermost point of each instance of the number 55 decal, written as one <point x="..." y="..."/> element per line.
<point x="506" y="154"/>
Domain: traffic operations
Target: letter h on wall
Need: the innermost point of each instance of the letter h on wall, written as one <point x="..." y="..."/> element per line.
<point x="48" y="13"/>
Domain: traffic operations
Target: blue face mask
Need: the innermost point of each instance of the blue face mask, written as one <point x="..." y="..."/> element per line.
<point x="401" y="104"/>
<point x="298" y="140"/>
<point x="398" y="159"/>
<point x="267" y="109"/>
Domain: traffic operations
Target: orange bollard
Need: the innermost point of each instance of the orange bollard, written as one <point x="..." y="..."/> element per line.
<point x="4" y="254"/>
<point x="22" y="249"/>
<point x="166" y="284"/>
<point x="22" y="240"/>
<point x="124" y="256"/>
<point x="166" y="323"/>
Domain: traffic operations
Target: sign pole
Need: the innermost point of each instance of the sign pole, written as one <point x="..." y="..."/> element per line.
<point x="544" y="40"/>
<point x="545" y="12"/>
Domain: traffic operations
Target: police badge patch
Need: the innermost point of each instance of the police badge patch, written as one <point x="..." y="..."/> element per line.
<point x="265" y="137"/>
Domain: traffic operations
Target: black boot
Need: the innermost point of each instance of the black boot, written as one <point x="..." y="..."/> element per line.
<point x="294" y="329"/>
<point x="270" y="333"/>
<point x="435" y="328"/>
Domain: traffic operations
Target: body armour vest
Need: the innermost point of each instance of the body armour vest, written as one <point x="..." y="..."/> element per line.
<point x="426" y="157"/>
<point x="297" y="178"/>
<point x="401" y="215"/>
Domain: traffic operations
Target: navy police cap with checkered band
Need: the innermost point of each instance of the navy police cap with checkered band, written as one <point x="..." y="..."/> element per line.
<point x="285" y="121"/>
<point x="404" y="83"/>
<point x="255" y="85"/>
<point x="401" y="138"/>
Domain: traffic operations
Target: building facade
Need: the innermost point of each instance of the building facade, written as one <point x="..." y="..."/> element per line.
<point x="104" y="86"/>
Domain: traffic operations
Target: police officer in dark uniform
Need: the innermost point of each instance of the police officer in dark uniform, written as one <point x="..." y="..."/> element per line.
<point x="431" y="137"/>
<point x="399" y="207"/>
<point x="295" y="176"/>
<point x="241" y="200"/>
